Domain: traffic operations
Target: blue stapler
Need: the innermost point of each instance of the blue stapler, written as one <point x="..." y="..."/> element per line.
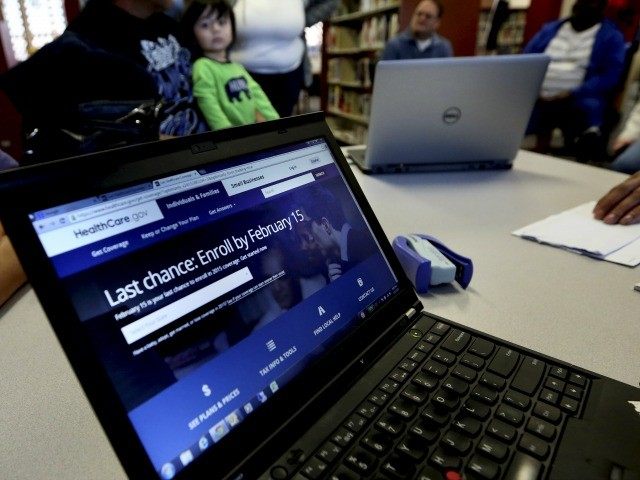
<point x="426" y="261"/>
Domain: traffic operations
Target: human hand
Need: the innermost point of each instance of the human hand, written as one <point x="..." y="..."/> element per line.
<point x="557" y="97"/>
<point x="334" y="271"/>
<point x="621" y="204"/>
<point x="620" y="143"/>
<point x="259" y="117"/>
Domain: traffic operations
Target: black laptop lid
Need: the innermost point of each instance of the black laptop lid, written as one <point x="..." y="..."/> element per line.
<point x="198" y="286"/>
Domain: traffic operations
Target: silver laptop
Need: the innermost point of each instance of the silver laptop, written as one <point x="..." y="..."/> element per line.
<point x="463" y="113"/>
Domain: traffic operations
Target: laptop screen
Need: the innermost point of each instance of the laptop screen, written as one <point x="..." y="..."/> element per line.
<point x="205" y="292"/>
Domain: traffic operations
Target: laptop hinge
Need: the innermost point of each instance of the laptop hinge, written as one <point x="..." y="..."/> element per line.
<point x="410" y="313"/>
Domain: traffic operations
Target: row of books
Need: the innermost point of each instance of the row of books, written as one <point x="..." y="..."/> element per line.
<point x="346" y="132"/>
<point x="511" y="34"/>
<point x="349" y="101"/>
<point x="372" y="33"/>
<point x="352" y="6"/>
<point x="355" y="71"/>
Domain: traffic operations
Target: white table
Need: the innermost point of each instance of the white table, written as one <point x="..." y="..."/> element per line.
<point x="575" y="308"/>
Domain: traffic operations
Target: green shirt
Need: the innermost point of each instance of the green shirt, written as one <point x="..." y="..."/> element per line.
<point x="227" y="95"/>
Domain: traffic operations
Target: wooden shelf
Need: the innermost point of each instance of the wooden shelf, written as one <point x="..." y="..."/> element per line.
<point x="350" y="17"/>
<point x="354" y="50"/>
<point x="354" y="84"/>
<point x="349" y="116"/>
<point x="342" y="138"/>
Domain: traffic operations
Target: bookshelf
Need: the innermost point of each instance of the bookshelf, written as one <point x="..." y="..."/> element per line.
<point x="353" y="43"/>
<point x="511" y="36"/>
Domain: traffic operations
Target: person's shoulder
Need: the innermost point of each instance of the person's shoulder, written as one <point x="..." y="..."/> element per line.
<point x="611" y="30"/>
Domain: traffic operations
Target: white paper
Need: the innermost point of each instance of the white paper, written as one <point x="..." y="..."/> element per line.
<point x="576" y="230"/>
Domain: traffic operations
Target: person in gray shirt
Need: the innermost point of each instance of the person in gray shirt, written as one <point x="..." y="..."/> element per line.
<point x="420" y="40"/>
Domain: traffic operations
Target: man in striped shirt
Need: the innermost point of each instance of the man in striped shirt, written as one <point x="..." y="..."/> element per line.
<point x="587" y="58"/>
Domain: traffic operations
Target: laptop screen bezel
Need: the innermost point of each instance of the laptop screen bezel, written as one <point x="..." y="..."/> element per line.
<point x="39" y="187"/>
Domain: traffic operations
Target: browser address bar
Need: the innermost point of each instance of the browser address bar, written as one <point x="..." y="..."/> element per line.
<point x="196" y="182"/>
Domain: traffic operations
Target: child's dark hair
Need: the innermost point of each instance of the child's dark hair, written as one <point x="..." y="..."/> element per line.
<point x="191" y="16"/>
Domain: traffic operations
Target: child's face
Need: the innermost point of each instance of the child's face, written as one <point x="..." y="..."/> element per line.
<point x="213" y="33"/>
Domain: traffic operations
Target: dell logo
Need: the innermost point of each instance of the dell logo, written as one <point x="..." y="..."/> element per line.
<point x="451" y="115"/>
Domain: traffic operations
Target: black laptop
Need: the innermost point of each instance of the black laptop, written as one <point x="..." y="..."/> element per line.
<point x="233" y="309"/>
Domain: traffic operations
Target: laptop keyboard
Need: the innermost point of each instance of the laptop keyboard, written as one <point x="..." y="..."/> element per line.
<point x="457" y="406"/>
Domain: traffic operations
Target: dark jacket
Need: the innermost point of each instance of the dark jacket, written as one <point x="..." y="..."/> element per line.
<point x="603" y="72"/>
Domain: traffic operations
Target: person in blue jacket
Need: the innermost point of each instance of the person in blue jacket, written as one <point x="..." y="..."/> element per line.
<point x="587" y="59"/>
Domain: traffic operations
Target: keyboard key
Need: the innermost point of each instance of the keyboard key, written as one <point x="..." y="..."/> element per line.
<point x="541" y="428"/>
<point x="445" y="400"/>
<point x="482" y="348"/>
<point x="434" y="368"/>
<point x="379" y="397"/>
<point x="554" y="384"/>
<point x="484" y="394"/>
<point x="502" y="431"/>
<point x="403" y="408"/>
<point x="493" y="448"/>
<point x="398" y="467"/>
<point x="328" y="452"/>
<point x="408" y="365"/>
<point x="435" y="416"/>
<point x="573" y="392"/>
<point x="399" y="375"/>
<point x="444" y="357"/>
<point x="455" y="442"/>
<point x="413" y="447"/>
<point x="510" y="415"/>
<point x="464" y="373"/>
<point x="416" y="394"/>
<point x="389" y="386"/>
<point x="425" y="380"/>
<point x="483" y="467"/>
<point x="368" y="409"/>
<point x="440" y="328"/>
<point x="549" y="396"/>
<point x="314" y="468"/>
<point x="441" y="459"/>
<point x="476" y="409"/>
<point x="577" y="379"/>
<point x="425" y="430"/>
<point x="472" y="361"/>
<point x="517" y="399"/>
<point x="549" y="413"/>
<point x="534" y="446"/>
<point x="417" y="356"/>
<point x="494" y="382"/>
<point x="469" y="426"/>
<point x="429" y="473"/>
<point x="355" y="423"/>
<point x="361" y="461"/>
<point x="523" y="467"/>
<point x="391" y="424"/>
<point x="342" y="437"/>
<point x="455" y="386"/>
<point x="558" y="372"/>
<point x="377" y="442"/>
<point x="569" y="405"/>
<point x="456" y="341"/>
<point x="432" y="338"/>
<point x="344" y="473"/>
<point x="425" y="347"/>
<point x="504" y="362"/>
<point x="528" y="375"/>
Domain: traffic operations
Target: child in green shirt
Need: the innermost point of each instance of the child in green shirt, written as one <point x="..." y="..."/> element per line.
<point x="226" y="93"/>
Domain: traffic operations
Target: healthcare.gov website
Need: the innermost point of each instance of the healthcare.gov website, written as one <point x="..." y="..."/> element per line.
<point x="205" y="292"/>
